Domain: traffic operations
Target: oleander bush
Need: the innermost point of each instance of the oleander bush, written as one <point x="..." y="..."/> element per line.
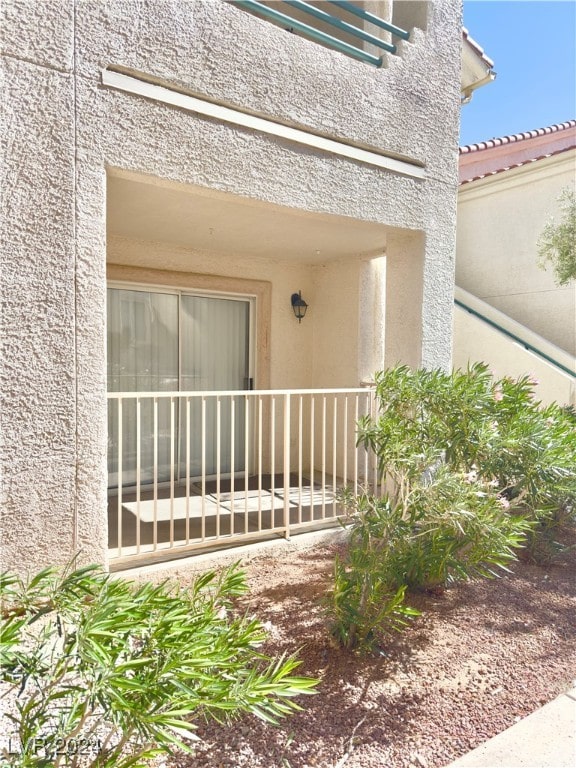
<point x="365" y="603"/>
<point x="440" y="530"/>
<point x="97" y="671"/>
<point x="474" y="469"/>
<point x="473" y="423"/>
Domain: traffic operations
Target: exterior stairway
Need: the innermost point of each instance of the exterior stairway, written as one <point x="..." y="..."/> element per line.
<point x="482" y="333"/>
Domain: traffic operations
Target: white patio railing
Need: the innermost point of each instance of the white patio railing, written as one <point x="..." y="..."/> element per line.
<point x="195" y="470"/>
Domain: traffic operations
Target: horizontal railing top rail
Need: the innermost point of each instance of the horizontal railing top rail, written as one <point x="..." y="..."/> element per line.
<point x="241" y="392"/>
<point x="291" y="23"/>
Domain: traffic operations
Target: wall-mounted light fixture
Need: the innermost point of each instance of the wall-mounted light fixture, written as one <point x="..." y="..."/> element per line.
<point x="299" y="306"/>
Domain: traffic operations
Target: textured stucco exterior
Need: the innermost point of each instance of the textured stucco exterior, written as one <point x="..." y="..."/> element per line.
<point x="68" y="136"/>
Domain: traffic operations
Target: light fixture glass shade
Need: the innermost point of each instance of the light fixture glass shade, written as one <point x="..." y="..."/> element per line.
<point x="299" y="306"/>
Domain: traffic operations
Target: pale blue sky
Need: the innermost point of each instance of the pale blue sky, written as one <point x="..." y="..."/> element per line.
<point x="533" y="45"/>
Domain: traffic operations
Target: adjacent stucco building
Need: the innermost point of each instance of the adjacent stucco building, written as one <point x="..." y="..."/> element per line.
<point x="509" y="190"/>
<point x="196" y="150"/>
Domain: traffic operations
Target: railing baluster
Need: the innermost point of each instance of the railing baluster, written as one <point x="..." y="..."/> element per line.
<point x="371" y="453"/>
<point x="155" y="477"/>
<point x="367" y="477"/>
<point x="187" y="459"/>
<point x="372" y="19"/>
<point x="300" y="451"/>
<point x="323" y="456"/>
<point x="309" y="31"/>
<point x="272" y="460"/>
<point x="334" y="452"/>
<point x="203" y="525"/>
<point x="287" y="466"/>
<point x="120" y="481"/>
<point x="246" y="458"/>
<point x="312" y="449"/>
<point x="232" y="460"/>
<point x="218" y="463"/>
<point x="172" y="462"/>
<point x="260" y="456"/>
<point x="138" y="470"/>
<point x="343" y="26"/>
<point x="345" y="443"/>
<point x="357" y="448"/>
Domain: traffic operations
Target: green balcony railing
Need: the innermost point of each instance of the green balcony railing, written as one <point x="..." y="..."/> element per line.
<point x="328" y="20"/>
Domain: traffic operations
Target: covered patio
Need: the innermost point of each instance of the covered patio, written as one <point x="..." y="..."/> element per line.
<point x="230" y="419"/>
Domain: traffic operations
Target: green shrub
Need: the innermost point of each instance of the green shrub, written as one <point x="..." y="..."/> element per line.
<point x="364" y="602"/>
<point x="437" y="531"/>
<point x="474" y="469"/>
<point x="474" y="423"/>
<point x="557" y="241"/>
<point x="444" y="530"/>
<point x="103" y="672"/>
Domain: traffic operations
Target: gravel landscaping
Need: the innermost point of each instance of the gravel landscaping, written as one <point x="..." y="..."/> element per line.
<point x="481" y="656"/>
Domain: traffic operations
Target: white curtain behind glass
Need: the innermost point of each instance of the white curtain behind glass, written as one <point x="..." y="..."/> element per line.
<point x="214" y="343"/>
<point x="143" y="356"/>
<point x="215" y="356"/>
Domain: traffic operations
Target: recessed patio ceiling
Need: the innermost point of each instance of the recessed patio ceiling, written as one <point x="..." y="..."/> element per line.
<point x="147" y="208"/>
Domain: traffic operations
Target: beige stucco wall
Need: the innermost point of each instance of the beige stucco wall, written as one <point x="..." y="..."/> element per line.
<point x="66" y="130"/>
<point x="500" y="219"/>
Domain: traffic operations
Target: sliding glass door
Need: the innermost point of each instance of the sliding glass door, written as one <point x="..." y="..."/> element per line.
<point x="169" y="341"/>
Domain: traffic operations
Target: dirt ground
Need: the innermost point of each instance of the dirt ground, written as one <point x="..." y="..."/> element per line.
<point x="480" y="657"/>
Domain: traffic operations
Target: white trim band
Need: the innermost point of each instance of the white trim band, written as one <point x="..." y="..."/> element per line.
<point x="226" y="114"/>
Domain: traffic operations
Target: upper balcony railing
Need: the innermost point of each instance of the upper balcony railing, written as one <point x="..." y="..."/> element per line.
<point x="343" y="28"/>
